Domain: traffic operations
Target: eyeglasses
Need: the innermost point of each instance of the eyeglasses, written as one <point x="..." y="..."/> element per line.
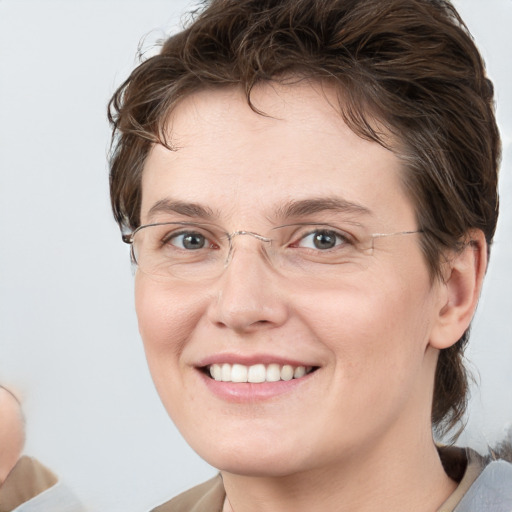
<point x="198" y="251"/>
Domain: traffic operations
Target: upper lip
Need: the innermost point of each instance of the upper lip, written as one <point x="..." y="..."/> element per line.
<point x="249" y="360"/>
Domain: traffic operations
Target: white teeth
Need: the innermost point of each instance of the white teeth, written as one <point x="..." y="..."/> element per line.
<point x="226" y="372"/>
<point x="239" y="373"/>
<point x="256" y="373"/>
<point x="299" y="372"/>
<point x="287" y="372"/>
<point x="216" y="371"/>
<point x="273" y="373"/>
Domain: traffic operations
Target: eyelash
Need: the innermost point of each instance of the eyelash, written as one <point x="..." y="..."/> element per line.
<point x="341" y="239"/>
<point x="172" y="236"/>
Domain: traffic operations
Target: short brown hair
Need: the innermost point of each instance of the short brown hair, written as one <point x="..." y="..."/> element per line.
<point x="411" y="65"/>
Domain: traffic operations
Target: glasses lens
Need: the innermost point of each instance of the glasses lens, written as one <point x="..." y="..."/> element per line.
<point x="178" y="250"/>
<point x="196" y="252"/>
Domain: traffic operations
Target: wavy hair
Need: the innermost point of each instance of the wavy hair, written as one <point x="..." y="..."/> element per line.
<point x="410" y="66"/>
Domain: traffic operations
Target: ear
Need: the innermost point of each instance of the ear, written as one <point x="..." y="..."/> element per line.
<point x="459" y="290"/>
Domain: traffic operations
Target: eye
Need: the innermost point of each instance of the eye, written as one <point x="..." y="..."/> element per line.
<point x="322" y="239"/>
<point x="190" y="241"/>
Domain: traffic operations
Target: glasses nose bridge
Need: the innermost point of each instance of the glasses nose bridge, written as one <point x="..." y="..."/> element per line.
<point x="231" y="236"/>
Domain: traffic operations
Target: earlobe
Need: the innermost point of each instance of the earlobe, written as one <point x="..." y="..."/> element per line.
<point x="460" y="290"/>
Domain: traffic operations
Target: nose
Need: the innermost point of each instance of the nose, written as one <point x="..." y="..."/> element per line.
<point x="250" y="295"/>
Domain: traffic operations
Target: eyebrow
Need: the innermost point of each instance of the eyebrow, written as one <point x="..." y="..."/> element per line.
<point x="316" y="205"/>
<point x="181" y="208"/>
<point x="290" y="209"/>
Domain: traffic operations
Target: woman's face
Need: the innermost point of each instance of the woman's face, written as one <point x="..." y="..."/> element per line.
<point x="364" y="333"/>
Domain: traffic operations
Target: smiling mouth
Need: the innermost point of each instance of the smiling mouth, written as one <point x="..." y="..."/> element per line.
<point x="256" y="373"/>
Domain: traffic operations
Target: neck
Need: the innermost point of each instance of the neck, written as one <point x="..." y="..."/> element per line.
<point x="409" y="479"/>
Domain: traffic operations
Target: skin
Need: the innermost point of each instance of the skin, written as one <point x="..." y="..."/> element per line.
<point x="11" y="432"/>
<point x="356" y="433"/>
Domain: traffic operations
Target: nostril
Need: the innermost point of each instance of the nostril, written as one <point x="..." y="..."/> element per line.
<point x="245" y="299"/>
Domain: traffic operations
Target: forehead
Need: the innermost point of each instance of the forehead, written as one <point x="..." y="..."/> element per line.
<point x="230" y="158"/>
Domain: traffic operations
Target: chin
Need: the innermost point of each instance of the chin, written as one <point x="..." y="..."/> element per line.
<point x="266" y="466"/>
<point x="258" y="458"/>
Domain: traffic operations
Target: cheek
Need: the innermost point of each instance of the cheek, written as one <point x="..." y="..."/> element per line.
<point x="381" y="328"/>
<point x="166" y="318"/>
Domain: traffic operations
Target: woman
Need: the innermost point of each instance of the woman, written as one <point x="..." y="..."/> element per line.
<point x="309" y="190"/>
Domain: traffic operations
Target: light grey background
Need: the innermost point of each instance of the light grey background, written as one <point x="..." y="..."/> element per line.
<point x="68" y="334"/>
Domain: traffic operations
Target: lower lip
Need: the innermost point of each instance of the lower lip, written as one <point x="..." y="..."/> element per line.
<point x="246" y="392"/>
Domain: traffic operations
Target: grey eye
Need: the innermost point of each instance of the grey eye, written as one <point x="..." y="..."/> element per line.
<point x="322" y="240"/>
<point x="190" y="241"/>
